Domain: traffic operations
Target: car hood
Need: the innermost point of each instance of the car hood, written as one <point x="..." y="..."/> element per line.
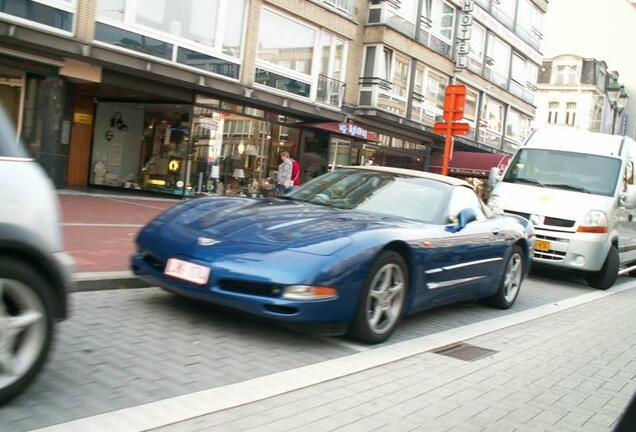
<point x="291" y="224"/>
<point x="558" y="203"/>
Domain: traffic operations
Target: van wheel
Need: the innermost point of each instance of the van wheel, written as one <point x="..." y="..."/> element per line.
<point x="607" y="275"/>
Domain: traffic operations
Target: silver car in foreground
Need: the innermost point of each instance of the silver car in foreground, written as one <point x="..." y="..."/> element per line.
<point x="35" y="273"/>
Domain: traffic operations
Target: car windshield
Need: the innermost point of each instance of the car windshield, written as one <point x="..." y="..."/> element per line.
<point x="577" y="172"/>
<point x="378" y="192"/>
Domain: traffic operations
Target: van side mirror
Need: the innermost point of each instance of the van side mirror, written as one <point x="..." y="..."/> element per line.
<point x="493" y="177"/>
<point x="628" y="198"/>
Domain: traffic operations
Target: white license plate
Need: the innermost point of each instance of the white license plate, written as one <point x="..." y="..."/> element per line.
<point x="187" y="271"/>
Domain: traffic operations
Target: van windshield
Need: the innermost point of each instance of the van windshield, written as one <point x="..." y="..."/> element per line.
<point x="578" y="172"/>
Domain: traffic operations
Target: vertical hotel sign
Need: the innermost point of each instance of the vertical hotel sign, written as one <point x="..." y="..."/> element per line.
<point x="463" y="35"/>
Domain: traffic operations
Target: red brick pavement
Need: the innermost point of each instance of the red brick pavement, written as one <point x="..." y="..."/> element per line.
<point x="107" y="247"/>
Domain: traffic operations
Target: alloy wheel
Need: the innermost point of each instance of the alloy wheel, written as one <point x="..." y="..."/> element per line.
<point x="385" y="298"/>
<point x="22" y="330"/>
<point x="512" y="279"/>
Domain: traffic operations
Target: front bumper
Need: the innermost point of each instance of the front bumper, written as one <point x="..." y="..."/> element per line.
<point x="333" y="313"/>
<point x="580" y="251"/>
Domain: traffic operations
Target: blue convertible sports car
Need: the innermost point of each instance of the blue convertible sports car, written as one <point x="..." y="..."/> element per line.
<point x="349" y="252"/>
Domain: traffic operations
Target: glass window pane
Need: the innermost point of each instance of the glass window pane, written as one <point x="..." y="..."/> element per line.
<point x="280" y="82"/>
<point x="401" y="75"/>
<point x="113" y="9"/>
<point x="470" y="109"/>
<point x="233" y="29"/>
<point x="39" y="13"/>
<point x="499" y="52"/>
<point x="443" y="18"/>
<point x="325" y="44"/>
<point x="207" y="62"/>
<point x="189" y="19"/>
<point x="402" y="16"/>
<point x="477" y="45"/>
<point x="493" y="115"/>
<point x="285" y="43"/>
<point x="435" y="88"/>
<point x="369" y="62"/>
<point x="133" y="41"/>
<point x="337" y="72"/>
<point x="518" y="69"/>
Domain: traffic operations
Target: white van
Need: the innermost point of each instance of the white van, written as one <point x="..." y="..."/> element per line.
<point x="577" y="188"/>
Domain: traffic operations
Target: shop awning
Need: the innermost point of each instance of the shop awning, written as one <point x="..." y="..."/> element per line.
<point x="472" y="164"/>
<point x="347" y="129"/>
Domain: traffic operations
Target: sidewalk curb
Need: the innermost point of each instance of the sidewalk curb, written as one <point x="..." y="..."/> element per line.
<point x="104" y="281"/>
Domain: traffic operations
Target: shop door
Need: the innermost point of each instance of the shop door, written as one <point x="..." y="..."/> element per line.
<point x="314" y="155"/>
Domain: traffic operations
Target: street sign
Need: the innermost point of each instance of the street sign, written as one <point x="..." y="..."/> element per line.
<point x="454" y="102"/>
<point x="455" y="128"/>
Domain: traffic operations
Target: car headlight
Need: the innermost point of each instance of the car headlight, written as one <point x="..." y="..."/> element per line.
<point x="494" y="203"/>
<point x="308" y="292"/>
<point x="594" y="221"/>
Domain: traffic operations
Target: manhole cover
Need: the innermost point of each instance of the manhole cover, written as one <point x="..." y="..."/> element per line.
<point x="465" y="352"/>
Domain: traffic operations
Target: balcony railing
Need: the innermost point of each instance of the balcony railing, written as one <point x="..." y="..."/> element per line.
<point x="330" y="91"/>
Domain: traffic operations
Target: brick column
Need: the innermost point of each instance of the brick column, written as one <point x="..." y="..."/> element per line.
<point x="251" y="39"/>
<point x="86" y="10"/>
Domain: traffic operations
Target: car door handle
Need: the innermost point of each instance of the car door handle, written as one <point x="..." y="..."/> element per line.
<point x="496" y="231"/>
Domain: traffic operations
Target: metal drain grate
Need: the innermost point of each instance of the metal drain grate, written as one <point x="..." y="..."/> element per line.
<point x="466" y="352"/>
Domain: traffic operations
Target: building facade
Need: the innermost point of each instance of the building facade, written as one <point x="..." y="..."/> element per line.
<point x="186" y="97"/>
<point x="576" y="92"/>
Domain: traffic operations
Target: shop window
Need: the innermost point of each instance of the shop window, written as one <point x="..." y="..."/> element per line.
<point x="57" y="14"/>
<point x="206" y="34"/>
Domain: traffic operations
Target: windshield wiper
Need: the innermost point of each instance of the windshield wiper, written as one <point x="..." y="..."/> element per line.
<point x="526" y="180"/>
<point x="570" y="187"/>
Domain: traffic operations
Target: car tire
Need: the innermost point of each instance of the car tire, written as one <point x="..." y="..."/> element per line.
<point x="510" y="284"/>
<point x="607" y="275"/>
<point x="24" y="297"/>
<point x="381" y="304"/>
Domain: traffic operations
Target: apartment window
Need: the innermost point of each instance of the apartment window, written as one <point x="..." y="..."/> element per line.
<point x="477" y="48"/>
<point x="529" y="23"/>
<point x="518" y="77"/>
<point x="402" y="16"/>
<point x="428" y="98"/>
<point x="491" y="122"/>
<point x="570" y="113"/>
<point x="553" y="113"/>
<point x="385" y="80"/>
<point x="287" y="51"/>
<point x="200" y="34"/>
<point x="504" y="10"/>
<point x="470" y="108"/>
<point x="498" y="61"/>
<point x="54" y="14"/>
<point x="517" y="125"/>
<point x="442" y="25"/>
<point x="285" y="43"/>
<point x="345" y="6"/>
<point x="567" y="75"/>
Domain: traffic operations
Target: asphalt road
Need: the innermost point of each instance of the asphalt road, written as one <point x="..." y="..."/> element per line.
<point x="123" y="348"/>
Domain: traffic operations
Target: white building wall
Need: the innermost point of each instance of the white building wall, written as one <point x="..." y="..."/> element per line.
<point x="584" y="106"/>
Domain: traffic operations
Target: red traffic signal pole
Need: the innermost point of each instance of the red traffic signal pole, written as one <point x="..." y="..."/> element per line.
<point x="454" y="102"/>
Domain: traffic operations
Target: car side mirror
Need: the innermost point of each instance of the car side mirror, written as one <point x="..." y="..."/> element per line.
<point x="628" y="199"/>
<point x="493" y="177"/>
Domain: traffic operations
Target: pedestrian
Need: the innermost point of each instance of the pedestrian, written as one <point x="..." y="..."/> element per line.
<point x="295" y="173"/>
<point x="285" y="169"/>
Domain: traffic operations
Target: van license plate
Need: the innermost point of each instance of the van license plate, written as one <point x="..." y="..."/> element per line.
<point x="542" y="245"/>
<point x="187" y="271"/>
